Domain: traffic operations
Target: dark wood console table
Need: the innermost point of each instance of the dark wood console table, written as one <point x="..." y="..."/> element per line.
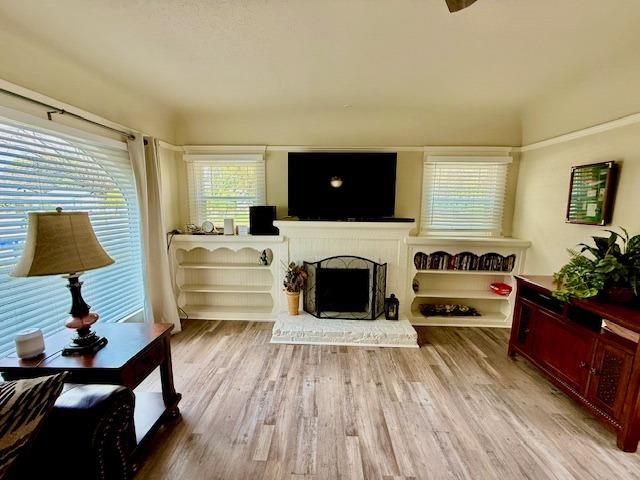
<point x="599" y="367"/>
<point x="133" y="352"/>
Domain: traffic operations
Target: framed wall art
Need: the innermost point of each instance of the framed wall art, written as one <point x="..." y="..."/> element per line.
<point x="591" y="193"/>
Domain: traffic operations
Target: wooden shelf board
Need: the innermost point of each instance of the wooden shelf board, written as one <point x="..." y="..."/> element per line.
<point x="149" y="409"/>
<point x="475" y="294"/>
<point x="205" y="288"/>
<point x="466" y="272"/>
<point x="229" y="312"/>
<point x="491" y="319"/>
<point x="223" y="266"/>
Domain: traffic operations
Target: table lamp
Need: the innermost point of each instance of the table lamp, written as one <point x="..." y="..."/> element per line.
<point x="64" y="243"/>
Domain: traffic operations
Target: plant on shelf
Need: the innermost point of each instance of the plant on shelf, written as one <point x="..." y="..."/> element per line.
<point x="610" y="267"/>
<point x="294" y="280"/>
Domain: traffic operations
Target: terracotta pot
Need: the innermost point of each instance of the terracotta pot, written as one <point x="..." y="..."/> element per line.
<point x="294" y="302"/>
<point x="623" y="295"/>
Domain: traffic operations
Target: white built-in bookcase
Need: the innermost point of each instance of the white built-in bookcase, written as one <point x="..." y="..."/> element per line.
<point x="222" y="278"/>
<point x="468" y="287"/>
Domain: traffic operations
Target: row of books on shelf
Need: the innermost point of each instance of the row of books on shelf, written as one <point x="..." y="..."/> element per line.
<point x="465" y="261"/>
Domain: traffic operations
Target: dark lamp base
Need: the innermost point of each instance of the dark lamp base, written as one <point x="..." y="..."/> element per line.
<point x="86" y="341"/>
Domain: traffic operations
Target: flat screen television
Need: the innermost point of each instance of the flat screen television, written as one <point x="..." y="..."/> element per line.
<point x="342" y="186"/>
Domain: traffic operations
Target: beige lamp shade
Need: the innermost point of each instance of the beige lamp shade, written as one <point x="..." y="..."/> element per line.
<point x="60" y="243"/>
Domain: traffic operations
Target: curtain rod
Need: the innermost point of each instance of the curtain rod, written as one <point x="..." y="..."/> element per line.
<point x="62" y="111"/>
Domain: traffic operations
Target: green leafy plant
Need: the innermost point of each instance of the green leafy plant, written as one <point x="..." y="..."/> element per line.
<point x="612" y="261"/>
<point x="294" y="278"/>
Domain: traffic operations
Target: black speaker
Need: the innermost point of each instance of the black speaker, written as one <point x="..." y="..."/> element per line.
<point x="261" y="220"/>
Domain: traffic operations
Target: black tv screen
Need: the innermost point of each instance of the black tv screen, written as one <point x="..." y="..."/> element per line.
<point x="342" y="186"/>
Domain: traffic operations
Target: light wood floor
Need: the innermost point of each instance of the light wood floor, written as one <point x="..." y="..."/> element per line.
<point x="456" y="408"/>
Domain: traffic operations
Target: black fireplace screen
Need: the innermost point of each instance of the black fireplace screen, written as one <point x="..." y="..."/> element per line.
<point x="345" y="287"/>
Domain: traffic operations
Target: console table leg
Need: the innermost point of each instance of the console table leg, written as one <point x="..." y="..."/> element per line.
<point x="169" y="395"/>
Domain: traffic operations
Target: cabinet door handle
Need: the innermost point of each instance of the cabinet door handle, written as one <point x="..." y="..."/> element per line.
<point x="593" y="371"/>
<point x="527" y="330"/>
<point x="583" y="364"/>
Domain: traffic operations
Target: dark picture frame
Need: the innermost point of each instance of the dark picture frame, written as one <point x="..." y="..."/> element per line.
<point x="591" y="193"/>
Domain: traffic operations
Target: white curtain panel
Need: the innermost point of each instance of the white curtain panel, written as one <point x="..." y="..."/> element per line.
<point x="160" y="303"/>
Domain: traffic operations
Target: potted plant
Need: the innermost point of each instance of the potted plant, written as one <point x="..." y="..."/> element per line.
<point x="610" y="267"/>
<point x="294" y="279"/>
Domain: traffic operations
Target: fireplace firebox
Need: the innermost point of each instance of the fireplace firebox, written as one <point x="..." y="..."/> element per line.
<point x="345" y="287"/>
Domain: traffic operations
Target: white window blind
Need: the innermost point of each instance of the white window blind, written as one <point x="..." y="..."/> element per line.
<point x="224" y="186"/>
<point x="463" y="195"/>
<point x="40" y="170"/>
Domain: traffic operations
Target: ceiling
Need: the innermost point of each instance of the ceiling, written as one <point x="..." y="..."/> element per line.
<point x="237" y="57"/>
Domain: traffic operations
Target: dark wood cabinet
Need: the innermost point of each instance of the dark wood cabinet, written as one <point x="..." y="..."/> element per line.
<point x="594" y="365"/>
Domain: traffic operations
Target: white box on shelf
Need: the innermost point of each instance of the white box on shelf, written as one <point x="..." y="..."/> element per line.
<point x="229" y="228"/>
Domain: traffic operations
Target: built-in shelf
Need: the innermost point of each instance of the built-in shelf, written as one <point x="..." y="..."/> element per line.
<point x="208" y="288"/>
<point x="229" y="312"/>
<point x="464" y="287"/>
<point x="222" y="277"/>
<point x="223" y="266"/>
<point x="491" y="319"/>
<point x="443" y="293"/>
<point x="465" y="272"/>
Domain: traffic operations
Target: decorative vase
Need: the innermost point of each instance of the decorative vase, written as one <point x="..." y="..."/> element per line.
<point x="294" y="302"/>
<point x="622" y="295"/>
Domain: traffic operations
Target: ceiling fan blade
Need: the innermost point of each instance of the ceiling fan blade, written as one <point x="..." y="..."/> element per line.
<point x="456" y="5"/>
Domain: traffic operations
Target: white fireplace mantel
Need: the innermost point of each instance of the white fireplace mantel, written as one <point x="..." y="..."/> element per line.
<point x="382" y="242"/>
<point x="371" y="230"/>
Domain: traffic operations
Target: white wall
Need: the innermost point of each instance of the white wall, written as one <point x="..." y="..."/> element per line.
<point x="543" y="187"/>
<point x="173" y="173"/>
<point x="605" y="94"/>
<point x="408" y="186"/>
<point x="352" y="126"/>
<point x="50" y="73"/>
<point x="543" y="181"/>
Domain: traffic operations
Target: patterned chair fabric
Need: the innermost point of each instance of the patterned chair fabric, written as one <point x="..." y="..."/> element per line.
<point x="24" y="407"/>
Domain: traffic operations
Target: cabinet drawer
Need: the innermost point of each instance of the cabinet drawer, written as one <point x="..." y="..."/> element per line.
<point x="148" y="362"/>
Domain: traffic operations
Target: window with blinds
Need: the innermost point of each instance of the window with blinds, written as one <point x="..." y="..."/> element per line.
<point x="463" y="195"/>
<point x="40" y="170"/>
<point x="224" y="186"/>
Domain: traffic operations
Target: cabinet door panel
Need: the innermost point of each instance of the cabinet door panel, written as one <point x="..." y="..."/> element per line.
<point x="609" y="379"/>
<point x="566" y="350"/>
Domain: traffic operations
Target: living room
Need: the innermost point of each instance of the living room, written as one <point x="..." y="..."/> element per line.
<point x="342" y="239"/>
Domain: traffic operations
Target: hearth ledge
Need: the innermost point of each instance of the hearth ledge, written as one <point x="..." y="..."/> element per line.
<point x="305" y="329"/>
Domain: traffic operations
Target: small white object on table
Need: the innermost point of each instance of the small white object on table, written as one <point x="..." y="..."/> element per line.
<point x="29" y="343"/>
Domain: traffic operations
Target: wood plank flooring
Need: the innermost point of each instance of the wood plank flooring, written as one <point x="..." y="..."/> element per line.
<point x="456" y="408"/>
